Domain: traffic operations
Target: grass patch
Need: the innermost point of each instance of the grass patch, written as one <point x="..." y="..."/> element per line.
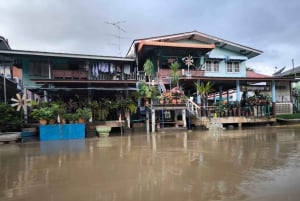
<point x="289" y="116"/>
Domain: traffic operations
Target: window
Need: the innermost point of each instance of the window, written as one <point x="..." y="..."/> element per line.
<point x="212" y="66"/>
<point x="39" y="68"/>
<point x="233" y="67"/>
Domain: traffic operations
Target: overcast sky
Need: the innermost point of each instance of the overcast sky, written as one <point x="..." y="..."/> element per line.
<point x="83" y="26"/>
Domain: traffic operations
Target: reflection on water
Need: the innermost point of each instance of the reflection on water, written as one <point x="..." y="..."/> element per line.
<point x="257" y="164"/>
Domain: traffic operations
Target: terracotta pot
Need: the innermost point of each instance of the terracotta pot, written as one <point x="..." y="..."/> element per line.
<point x="43" y="121"/>
<point x="81" y="120"/>
<point x="52" y="121"/>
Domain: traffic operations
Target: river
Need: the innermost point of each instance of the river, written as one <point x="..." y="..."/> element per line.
<point x="249" y="164"/>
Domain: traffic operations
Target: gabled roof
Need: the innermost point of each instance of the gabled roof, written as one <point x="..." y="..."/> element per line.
<point x="195" y="35"/>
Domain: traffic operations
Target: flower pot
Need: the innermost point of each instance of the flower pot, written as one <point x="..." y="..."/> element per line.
<point x="81" y="121"/>
<point x="43" y="121"/>
<point x="103" y="130"/>
<point x="52" y="121"/>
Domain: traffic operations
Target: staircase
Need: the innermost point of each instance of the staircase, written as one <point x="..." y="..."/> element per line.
<point x="210" y="123"/>
<point x="161" y="86"/>
<point x="193" y="108"/>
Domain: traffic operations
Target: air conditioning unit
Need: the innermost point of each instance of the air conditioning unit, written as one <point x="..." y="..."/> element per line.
<point x="284" y="108"/>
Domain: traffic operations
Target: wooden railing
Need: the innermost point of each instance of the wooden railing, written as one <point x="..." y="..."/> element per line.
<point x="165" y="73"/>
<point x="69" y="74"/>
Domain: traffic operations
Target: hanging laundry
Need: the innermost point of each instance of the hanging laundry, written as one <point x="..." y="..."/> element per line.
<point x="112" y="68"/>
<point x="127" y="69"/>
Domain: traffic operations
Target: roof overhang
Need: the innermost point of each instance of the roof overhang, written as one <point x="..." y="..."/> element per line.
<point x="172" y="44"/>
<point x="198" y="36"/>
<point x="18" y="53"/>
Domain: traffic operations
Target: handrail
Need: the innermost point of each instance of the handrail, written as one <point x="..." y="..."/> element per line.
<point x="193" y="107"/>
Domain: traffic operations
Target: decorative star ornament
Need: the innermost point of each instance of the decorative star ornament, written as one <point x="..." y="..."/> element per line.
<point x="21" y="102"/>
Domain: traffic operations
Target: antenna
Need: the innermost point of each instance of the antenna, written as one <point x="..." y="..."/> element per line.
<point x="117" y="25"/>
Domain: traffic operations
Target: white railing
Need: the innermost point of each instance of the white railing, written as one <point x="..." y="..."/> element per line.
<point x="193" y="108"/>
<point x="161" y="86"/>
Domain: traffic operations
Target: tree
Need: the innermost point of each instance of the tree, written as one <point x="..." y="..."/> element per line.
<point x="149" y="69"/>
<point x="174" y="73"/>
<point x="204" y="90"/>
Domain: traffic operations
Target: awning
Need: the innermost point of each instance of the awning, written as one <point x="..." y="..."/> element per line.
<point x="239" y="58"/>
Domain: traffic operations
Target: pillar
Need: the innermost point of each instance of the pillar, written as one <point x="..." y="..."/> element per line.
<point x="198" y="95"/>
<point x="184" y="117"/>
<point x="220" y="93"/>
<point x="238" y="91"/>
<point x="273" y="97"/>
<point x="147" y="121"/>
<point x="175" y="117"/>
<point x="153" y="120"/>
<point x="25" y="115"/>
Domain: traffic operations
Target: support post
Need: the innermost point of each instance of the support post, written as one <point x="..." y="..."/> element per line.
<point x="175" y="118"/>
<point x="25" y="115"/>
<point x="153" y="120"/>
<point x="184" y="117"/>
<point x="238" y="91"/>
<point x="147" y="121"/>
<point x="198" y="95"/>
<point x="273" y="98"/>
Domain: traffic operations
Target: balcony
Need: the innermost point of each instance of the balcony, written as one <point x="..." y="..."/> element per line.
<point x="85" y="75"/>
<point x="70" y="74"/>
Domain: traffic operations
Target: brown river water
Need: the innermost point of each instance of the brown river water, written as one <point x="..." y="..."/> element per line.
<point x="249" y="164"/>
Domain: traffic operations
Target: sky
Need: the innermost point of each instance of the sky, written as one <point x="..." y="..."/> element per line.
<point x="108" y="27"/>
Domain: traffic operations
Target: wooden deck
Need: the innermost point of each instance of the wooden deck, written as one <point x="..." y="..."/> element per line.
<point x="205" y="121"/>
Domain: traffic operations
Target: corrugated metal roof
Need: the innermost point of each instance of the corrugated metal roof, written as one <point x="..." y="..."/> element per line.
<point x="63" y="55"/>
<point x="196" y="35"/>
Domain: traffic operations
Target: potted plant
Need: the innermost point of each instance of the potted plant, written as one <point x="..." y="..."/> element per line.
<point x="84" y="114"/>
<point x="43" y="114"/>
<point x="103" y="130"/>
<point x="147" y="92"/>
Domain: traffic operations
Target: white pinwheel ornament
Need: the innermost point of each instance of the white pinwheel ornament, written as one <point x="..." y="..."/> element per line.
<point x="20" y="102"/>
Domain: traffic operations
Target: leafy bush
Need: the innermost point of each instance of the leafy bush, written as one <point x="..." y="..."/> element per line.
<point x="10" y="119"/>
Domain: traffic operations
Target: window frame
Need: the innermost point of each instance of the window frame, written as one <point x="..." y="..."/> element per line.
<point x="233" y="67"/>
<point x="212" y="66"/>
